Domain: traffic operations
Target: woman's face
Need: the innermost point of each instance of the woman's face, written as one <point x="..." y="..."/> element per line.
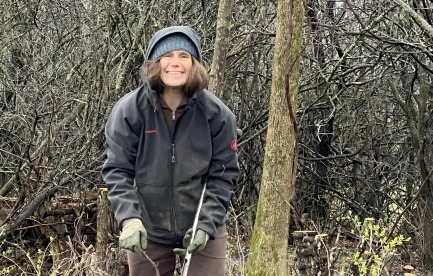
<point x="175" y="68"/>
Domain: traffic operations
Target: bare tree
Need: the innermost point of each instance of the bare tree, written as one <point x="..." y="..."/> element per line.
<point x="268" y="252"/>
<point x="221" y="45"/>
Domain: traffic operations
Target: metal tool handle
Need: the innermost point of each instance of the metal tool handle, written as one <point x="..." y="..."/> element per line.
<point x="188" y="256"/>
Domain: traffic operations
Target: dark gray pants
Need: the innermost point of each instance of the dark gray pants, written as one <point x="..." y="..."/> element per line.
<point x="210" y="261"/>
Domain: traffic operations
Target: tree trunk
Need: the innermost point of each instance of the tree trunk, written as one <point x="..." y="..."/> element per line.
<point x="217" y="73"/>
<point x="417" y="117"/>
<point x="425" y="158"/>
<point x="104" y="228"/>
<point x="268" y="252"/>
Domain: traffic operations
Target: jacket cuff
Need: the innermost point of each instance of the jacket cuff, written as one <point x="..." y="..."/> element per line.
<point x="209" y="229"/>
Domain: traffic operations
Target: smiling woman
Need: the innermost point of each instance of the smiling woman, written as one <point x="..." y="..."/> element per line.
<point x="165" y="140"/>
<point x="175" y="69"/>
<point x="196" y="78"/>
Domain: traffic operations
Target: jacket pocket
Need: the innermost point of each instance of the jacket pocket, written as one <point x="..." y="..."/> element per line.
<point x="156" y="201"/>
<point x="187" y="199"/>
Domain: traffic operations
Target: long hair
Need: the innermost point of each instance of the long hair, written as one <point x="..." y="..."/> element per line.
<point x="198" y="78"/>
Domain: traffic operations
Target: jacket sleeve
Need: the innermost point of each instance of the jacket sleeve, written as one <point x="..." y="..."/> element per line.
<point x="122" y="138"/>
<point x="222" y="173"/>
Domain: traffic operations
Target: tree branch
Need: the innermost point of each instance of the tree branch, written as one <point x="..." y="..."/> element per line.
<point x="417" y="17"/>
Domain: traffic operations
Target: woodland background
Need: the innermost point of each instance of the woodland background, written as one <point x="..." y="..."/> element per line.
<point x="363" y="111"/>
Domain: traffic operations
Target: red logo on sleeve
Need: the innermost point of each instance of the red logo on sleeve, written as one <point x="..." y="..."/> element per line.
<point x="234" y="145"/>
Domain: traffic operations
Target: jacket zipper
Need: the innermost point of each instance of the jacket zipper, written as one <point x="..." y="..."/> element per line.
<point x="172" y="150"/>
<point x="173" y="209"/>
<point x="173" y="160"/>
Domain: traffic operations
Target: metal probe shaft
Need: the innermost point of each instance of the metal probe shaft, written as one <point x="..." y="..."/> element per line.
<point x="188" y="255"/>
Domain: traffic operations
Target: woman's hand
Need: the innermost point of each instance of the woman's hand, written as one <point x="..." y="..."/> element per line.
<point x="133" y="236"/>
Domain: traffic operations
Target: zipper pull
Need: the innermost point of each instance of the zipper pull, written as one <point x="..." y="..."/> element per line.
<point x="172" y="155"/>
<point x="174" y="115"/>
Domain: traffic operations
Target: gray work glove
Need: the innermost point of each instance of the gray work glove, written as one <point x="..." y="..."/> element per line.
<point x="199" y="242"/>
<point x="133" y="236"/>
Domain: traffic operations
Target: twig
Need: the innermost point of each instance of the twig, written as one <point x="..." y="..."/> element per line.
<point x="155" y="266"/>
<point x="408" y="205"/>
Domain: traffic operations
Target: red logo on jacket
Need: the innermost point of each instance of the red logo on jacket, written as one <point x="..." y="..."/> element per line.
<point x="150" y="131"/>
<point x="234" y="145"/>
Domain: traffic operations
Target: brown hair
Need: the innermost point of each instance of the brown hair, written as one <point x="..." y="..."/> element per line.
<point x="198" y="78"/>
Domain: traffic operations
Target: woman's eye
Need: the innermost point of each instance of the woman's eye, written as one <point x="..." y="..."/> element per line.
<point x="185" y="55"/>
